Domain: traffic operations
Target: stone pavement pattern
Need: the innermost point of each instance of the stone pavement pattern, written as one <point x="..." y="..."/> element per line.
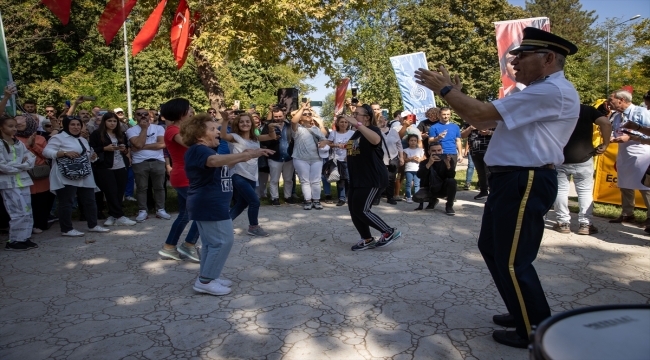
<point x="299" y="294"/>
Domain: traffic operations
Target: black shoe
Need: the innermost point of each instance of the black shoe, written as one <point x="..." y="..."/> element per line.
<point x="420" y="207"/>
<point x="432" y="204"/>
<point x="31" y="244"/>
<point x="510" y="338"/>
<point x="480" y="195"/>
<point x="52" y="219"/>
<point x="328" y="199"/>
<point x="364" y="245"/>
<point x="275" y="202"/>
<point x="391" y="201"/>
<point x="376" y="201"/>
<point x="449" y="209"/>
<point x="505" y="320"/>
<point x="289" y="200"/>
<point x="18" y="246"/>
<point x="340" y="203"/>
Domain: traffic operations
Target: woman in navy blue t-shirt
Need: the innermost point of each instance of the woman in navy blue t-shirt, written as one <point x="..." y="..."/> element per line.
<point x="208" y="198"/>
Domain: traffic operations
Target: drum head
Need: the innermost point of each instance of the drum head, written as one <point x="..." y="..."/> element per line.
<point x="600" y="334"/>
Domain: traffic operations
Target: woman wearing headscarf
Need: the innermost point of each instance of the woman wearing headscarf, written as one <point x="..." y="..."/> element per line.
<point x="69" y="144"/>
<point x="42" y="198"/>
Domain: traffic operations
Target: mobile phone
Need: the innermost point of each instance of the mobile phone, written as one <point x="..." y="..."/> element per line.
<point x="630" y="132"/>
<point x="384" y="113"/>
<point x="67" y="103"/>
<point x="237" y="102"/>
<point x="304" y="100"/>
<point x="88" y="98"/>
<point x="316" y="103"/>
<point x="354" y="91"/>
<point x="102" y="112"/>
<point x="252" y="106"/>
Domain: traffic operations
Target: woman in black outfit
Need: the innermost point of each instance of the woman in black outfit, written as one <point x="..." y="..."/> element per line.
<point x="110" y="169"/>
<point x="368" y="178"/>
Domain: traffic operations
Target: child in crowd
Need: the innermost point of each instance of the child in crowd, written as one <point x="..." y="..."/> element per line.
<point x="15" y="161"/>
<point x="412" y="157"/>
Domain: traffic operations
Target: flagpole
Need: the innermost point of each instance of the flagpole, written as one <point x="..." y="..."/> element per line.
<point x="126" y="66"/>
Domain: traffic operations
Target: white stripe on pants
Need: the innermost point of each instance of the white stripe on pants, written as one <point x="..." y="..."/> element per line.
<point x="309" y="174"/>
<point x="18" y="203"/>
<point x="284" y="168"/>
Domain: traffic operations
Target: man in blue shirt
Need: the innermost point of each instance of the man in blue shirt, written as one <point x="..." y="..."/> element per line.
<point x="448" y="135"/>
<point x="223" y="145"/>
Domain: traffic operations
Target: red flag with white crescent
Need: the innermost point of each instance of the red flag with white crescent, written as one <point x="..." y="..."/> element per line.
<point x="149" y="30"/>
<point x="340" y="95"/>
<point x="60" y="8"/>
<point x="114" y="15"/>
<point x="195" y="19"/>
<point x="180" y="32"/>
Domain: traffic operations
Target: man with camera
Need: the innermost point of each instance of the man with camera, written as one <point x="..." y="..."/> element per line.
<point x="437" y="174"/>
<point x="281" y="162"/>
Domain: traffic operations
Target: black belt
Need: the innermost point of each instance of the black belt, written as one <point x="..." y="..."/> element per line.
<point x="502" y="169"/>
<point x="150" y="160"/>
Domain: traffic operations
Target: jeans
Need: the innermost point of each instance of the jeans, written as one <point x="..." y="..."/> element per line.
<point x="66" y="197"/>
<point x="309" y="173"/>
<point x="142" y="171"/>
<point x="583" y="178"/>
<point x="181" y="221"/>
<point x="130" y="182"/>
<point x="341" y="185"/>
<point x="411" y="176"/>
<point x="245" y="196"/>
<point x="470" y="169"/>
<point x="327" y="187"/>
<point x="284" y="168"/>
<point x="217" y="238"/>
<point x="112" y="183"/>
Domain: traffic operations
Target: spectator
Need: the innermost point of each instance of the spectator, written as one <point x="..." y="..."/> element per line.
<point x="470" y="167"/>
<point x="41" y="197"/>
<point x="368" y="176"/>
<point x="579" y="163"/>
<point x="280" y="162"/>
<point x="393" y="158"/>
<point x="308" y="139"/>
<point x="226" y="119"/>
<point x="244" y="174"/>
<point x="213" y="113"/>
<point x="15" y="160"/>
<point x="208" y="198"/>
<point x="30" y="108"/>
<point x="69" y="144"/>
<point x="338" y="140"/>
<point x="147" y="141"/>
<point x="478" y="141"/>
<point x="448" y="135"/>
<point x="110" y="170"/>
<point x="438" y="175"/>
<point x="433" y="117"/>
<point x="412" y="157"/>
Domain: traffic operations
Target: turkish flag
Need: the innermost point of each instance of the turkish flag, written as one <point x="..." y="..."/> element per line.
<point x="197" y="15"/>
<point x="340" y="95"/>
<point x="180" y="32"/>
<point x="60" y="8"/>
<point x="149" y="30"/>
<point x="113" y="17"/>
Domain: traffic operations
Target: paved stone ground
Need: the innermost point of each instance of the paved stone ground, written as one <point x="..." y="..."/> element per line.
<point x="299" y="294"/>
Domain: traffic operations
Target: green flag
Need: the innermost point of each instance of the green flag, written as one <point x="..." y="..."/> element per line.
<point x="5" y="70"/>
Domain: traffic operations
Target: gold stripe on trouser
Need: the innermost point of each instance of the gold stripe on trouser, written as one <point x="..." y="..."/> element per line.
<point x="513" y="250"/>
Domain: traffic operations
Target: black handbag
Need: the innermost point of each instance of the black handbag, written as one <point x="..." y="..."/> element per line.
<point x="39" y="172"/>
<point x="422" y="195"/>
<point x="77" y="168"/>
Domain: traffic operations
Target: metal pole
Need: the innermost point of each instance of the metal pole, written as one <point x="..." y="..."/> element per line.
<point x="128" y="80"/>
<point x="607" y="93"/>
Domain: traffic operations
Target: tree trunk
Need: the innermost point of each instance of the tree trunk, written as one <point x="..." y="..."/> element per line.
<point x="213" y="89"/>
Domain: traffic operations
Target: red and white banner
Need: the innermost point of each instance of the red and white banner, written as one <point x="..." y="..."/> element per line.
<point x="509" y="36"/>
<point x="341" y="90"/>
<point x="180" y="32"/>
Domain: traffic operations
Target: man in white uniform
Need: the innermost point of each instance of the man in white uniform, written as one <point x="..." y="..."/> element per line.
<point x="532" y="128"/>
<point x="633" y="157"/>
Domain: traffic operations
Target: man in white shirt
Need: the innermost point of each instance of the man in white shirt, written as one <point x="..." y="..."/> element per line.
<point x="148" y="161"/>
<point x="30" y="108"/>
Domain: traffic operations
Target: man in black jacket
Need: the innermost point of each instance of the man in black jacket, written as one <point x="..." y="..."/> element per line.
<point x="438" y="175"/>
<point x="280" y="163"/>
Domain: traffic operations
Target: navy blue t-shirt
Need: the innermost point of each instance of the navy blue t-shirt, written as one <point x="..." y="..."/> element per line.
<point x="210" y="191"/>
<point x="449" y="141"/>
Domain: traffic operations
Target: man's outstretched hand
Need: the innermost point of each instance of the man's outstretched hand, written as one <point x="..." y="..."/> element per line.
<point x="435" y="80"/>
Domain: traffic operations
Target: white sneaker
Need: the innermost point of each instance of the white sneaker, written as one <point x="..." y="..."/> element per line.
<point x="110" y="221"/>
<point x="162" y="214"/>
<point x="142" y="216"/>
<point x="36" y="231"/>
<point x="124" y="221"/>
<point x="73" y="233"/>
<point x="224" y="282"/>
<point x="130" y="198"/>
<point x="409" y="200"/>
<point x="212" y="288"/>
<point x="99" y="229"/>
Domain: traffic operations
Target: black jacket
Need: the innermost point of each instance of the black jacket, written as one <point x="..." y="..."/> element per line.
<point x="438" y="170"/>
<point x="105" y="158"/>
<point x="275" y="144"/>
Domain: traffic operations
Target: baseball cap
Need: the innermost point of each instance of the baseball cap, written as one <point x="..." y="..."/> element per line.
<point x="405" y="113"/>
<point x="116" y="110"/>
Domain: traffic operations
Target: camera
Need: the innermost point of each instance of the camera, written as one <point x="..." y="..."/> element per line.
<point x="238" y="112"/>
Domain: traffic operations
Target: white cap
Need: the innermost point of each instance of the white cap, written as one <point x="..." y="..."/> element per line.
<point x="405" y="113"/>
<point x="116" y="110"/>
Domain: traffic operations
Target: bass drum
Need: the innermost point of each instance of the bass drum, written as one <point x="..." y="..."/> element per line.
<point x="610" y="332"/>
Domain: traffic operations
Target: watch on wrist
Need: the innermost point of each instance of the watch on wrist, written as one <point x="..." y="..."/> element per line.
<point x="445" y="90"/>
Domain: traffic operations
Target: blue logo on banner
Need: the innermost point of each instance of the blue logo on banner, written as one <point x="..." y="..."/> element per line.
<point x="416" y="99"/>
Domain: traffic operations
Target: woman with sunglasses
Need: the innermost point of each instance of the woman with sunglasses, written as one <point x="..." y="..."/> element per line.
<point x="306" y="159"/>
<point x="368" y="178"/>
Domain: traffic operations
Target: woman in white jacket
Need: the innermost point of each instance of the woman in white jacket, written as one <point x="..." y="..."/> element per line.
<point x="393" y="159"/>
<point x="68" y="144"/>
<point x="15" y="161"/>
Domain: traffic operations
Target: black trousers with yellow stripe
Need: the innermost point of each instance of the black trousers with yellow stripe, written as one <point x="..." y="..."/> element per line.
<point x="511" y="233"/>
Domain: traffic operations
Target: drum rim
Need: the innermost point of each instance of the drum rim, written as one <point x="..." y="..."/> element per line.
<point x="541" y="329"/>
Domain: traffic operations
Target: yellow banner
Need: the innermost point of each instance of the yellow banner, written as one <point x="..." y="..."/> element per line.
<point x="605" y="187"/>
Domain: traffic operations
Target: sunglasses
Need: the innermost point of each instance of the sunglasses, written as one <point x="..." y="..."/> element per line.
<point x="46" y="126"/>
<point x="357" y="113"/>
<point x="50" y="111"/>
<point x="306" y="114"/>
<point x="212" y="112"/>
<point x="141" y="114"/>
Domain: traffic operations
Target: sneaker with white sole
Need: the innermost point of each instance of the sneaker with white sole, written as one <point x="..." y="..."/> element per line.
<point x="212" y="288"/>
<point x="307" y="205"/>
<point x="190" y="251"/>
<point x="162" y="214"/>
<point x="124" y="221"/>
<point x="169" y="253"/>
<point x="99" y="229"/>
<point x="258" y="231"/>
<point x="364" y="245"/>
<point x="142" y="216"/>
<point x="110" y="221"/>
<point x="387" y="238"/>
<point x="317" y="205"/>
<point x="409" y="200"/>
<point x="130" y="198"/>
<point x="73" y="233"/>
<point x="224" y="282"/>
<point x="36" y="231"/>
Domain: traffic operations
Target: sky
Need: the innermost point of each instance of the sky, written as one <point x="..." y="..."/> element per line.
<point x="622" y="9"/>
